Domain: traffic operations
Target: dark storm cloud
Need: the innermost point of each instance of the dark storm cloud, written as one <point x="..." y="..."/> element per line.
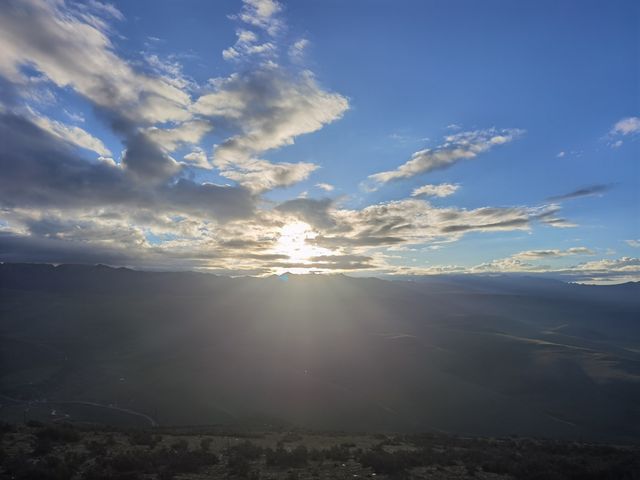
<point x="32" y="249"/>
<point x="38" y="170"/>
<point x="146" y="159"/>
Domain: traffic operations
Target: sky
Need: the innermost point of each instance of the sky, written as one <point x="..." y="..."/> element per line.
<point x="371" y="138"/>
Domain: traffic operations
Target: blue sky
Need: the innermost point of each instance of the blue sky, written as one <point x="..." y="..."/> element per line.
<point x="371" y="138"/>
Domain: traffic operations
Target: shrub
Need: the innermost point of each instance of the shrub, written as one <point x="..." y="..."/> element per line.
<point x="282" y="458"/>
<point x="143" y="437"/>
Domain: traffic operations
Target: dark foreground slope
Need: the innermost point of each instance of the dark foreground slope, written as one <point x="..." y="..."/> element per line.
<point x="465" y="355"/>
<point x="63" y="452"/>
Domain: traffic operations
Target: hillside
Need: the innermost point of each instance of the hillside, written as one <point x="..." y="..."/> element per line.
<point x="464" y="355"/>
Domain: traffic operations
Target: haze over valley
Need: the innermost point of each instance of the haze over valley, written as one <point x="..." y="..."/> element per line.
<point x="466" y="355"/>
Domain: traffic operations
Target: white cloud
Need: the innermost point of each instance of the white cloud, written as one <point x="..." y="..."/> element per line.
<point x="197" y="158"/>
<point x="189" y="133"/>
<point x="262" y="14"/>
<point x="604" y="271"/>
<point x="105" y="8"/>
<point x="71" y="48"/>
<point x="629" y="126"/>
<point x="456" y="147"/>
<point x="269" y="107"/>
<point x="71" y="134"/>
<point x="551" y="253"/>
<point x="297" y="49"/>
<point x="247" y="45"/>
<point x="415" y="222"/>
<point x="325" y="186"/>
<point x="439" y="190"/>
<point x="633" y="243"/>
<point x="170" y="71"/>
<point x="262" y="107"/>
<point x="76" y="117"/>
<point x="261" y="175"/>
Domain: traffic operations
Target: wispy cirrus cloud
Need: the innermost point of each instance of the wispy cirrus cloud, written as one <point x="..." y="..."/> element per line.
<point x="591" y="190"/>
<point x="552" y="253"/>
<point x="456" y="147"/>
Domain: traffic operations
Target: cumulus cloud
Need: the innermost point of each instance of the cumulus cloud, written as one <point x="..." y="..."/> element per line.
<point x="270" y="108"/>
<point x="456" y="147"/>
<point x="147" y="207"/>
<point x="439" y="190"/>
<point x="633" y="243"/>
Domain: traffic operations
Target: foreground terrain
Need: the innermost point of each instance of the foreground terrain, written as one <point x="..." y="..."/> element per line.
<point x="64" y="452"/>
<point x="487" y="356"/>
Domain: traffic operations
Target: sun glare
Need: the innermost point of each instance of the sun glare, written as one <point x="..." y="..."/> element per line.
<point x="294" y="241"/>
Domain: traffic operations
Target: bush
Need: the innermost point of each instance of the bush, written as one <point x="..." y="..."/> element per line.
<point x="205" y="444"/>
<point x="239" y="465"/>
<point x="247" y="450"/>
<point x="282" y="458"/>
<point x="337" y="453"/>
<point x="165" y="462"/>
<point x="143" y="437"/>
<point x="20" y="467"/>
<point x="58" y="434"/>
<point x="389" y="463"/>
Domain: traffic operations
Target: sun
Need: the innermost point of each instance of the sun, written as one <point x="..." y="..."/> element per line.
<point x="293" y="241"/>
